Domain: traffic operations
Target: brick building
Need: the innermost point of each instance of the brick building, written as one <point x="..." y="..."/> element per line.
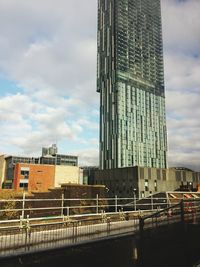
<point x="41" y="177"/>
<point x="66" y="168"/>
<point x="33" y="177"/>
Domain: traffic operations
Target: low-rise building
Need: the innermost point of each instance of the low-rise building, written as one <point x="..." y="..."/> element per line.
<point x="40" y="177"/>
<point x="10" y="163"/>
<point x="49" y="157"/>
<point x="33" y="177"/>
<point x="143" y="181"/>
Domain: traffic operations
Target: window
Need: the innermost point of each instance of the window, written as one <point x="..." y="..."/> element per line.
<point x="155" y="186"/>
<point x="25" y="174"/>
<point x="24" y="186"/>
<point x="146" y="185"/>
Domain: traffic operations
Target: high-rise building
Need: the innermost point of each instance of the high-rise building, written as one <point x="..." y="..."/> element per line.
<point x="130" y="81"/>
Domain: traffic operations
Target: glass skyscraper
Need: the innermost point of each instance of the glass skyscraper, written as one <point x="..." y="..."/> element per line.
<point x="130" y="81"/>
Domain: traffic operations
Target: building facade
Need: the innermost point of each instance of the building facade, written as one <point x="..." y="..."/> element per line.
<point x="10" y="163"/>
<point x="33" y="177"/>
<point x="41" y="177"/>
<point x="130" y="81"/>
<point x="89" y="174"/>
<point x="143" y="181"/>
<point x="49" y="157"/>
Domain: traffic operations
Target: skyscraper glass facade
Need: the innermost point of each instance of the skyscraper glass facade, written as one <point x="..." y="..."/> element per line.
<point x="130" y="80"/>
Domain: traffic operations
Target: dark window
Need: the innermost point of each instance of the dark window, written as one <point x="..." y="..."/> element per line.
<point x="23" y="185"/>
<point x="25" y="174"/>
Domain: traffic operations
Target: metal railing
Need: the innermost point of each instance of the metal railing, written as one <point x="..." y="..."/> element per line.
<point x="186" y="211"/>
<point x="33" y="234"/>
<point x="12" y="209"/>
<point x="174" y="219"/>
<point x="36" y="236"/>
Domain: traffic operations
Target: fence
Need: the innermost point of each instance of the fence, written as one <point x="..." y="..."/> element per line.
<point x="169" y="229"/>
<point x="34" y="237"/>
<point x="186" y="211"/>
<point x="33" y="234"/>
<point x="36" y="208"/>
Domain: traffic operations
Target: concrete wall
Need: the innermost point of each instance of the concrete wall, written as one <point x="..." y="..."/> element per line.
<point x="121" y="182"/>
<point x="146" y="181"/>
<point x="66" y="174"/>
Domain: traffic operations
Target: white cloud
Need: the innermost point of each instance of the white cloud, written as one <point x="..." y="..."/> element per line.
<point x="88" y="157"/>
<point x="49" y="50"/>
<point x="181" y="26"/>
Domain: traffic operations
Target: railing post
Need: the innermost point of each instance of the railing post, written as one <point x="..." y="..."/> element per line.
<point x="62" y="205"/>
<point x="135" y="202"/>
<point x="108" y="226"/>
<point x="141" y="241"/>
<point x="116" y="204"/>
<point x="97" y="204"/>
<point x="68" y="212"/>
<point x="182" y="211"/>
<point x="152" y="206"/>
<point x="23" y="204"/>
<point x="27" y="234"/>
<point x="73" y="231"/>
<point x="21" y="222"/>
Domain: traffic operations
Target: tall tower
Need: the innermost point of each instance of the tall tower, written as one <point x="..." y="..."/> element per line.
<point x="130" y="81"/>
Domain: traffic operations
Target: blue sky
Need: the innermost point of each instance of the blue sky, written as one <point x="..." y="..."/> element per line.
<point x="48" y="71"/>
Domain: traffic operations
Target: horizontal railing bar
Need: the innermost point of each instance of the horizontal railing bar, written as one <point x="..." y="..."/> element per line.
<point x="84" y="206"/>
<point x="71" y="216"/>
<point x="76" y="207"/>
<point x="87" y="199"/>
<point x="65" y="199"/>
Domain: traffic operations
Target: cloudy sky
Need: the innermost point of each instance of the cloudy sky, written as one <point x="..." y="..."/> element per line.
<point x="48" y="74"/>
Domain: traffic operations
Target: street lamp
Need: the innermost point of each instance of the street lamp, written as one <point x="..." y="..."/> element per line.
<point x="135" y="199"/>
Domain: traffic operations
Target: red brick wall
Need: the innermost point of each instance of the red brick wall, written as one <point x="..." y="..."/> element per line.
<point x="41" y="177"/>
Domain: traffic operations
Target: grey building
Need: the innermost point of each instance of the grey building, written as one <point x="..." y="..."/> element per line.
<point x="143" y="181"/>
<point x="52" y="150"/>
<point x="130" y="81"/>
<point x="50" y="156"/>
<point x="60" y="159"/>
